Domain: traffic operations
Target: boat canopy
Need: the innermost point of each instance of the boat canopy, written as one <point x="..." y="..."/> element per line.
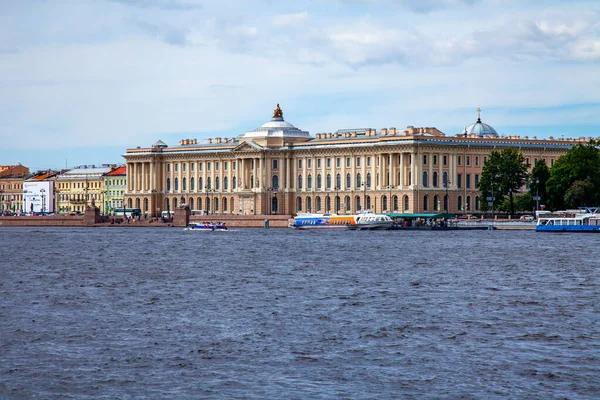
<point x="432" y="215"/>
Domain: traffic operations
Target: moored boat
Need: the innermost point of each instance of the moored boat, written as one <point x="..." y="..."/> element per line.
<point x="587" y="221"/>
<point x="321" y="221"/>
<point x="370" y="220"/>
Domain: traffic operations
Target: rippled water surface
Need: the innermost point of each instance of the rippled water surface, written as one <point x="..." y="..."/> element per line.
<point x="105" y="313"/>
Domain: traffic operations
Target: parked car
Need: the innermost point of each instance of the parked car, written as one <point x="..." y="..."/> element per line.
<point x="527" y="218"/>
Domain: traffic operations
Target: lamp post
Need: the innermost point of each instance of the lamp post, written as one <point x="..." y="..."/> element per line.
<point x="207" y="191"/>
<point x="364" y="186"/>
<point x="336" y="200"/>
<point x="390" y="204"/>
<point x="43" y="191"/>
<point x="537" y="193"/>
<point x="447" y="199"/>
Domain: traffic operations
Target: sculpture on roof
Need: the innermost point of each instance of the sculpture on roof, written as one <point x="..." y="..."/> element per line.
<point x="277" y="113"/>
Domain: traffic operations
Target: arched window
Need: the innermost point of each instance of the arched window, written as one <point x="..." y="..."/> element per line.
<point x="275" y="205"/>
<point x="309" y="204"/>
<point x="275" y="181"/>
<point x="146" y="205"/>
<point x="327" y="204"/>
<point x="176" y="184"/>
<point x="192" y="188"/>
<point x="445" y="180"/>
<point x="358" y="181"/>
<point x="167" y="205"/>
<point x="477" y="203"/>
<point x="319" y="182"/>
<point x="395" y="203"/>
<point x="184" y="186"/>
<point x="460" y="203"/>
<point x="207" y="205"/>
<point x="426" y="203"/>
<point x="357" y="202"/>
<point x="208" y="183"/>
<point x="234" y="182"/>
<point x="468" y="205"/>
<point x="168" y="184"/>
<point x="216" y="203"/>
<point x="318" y="203"/>
<point x="217" y="184"/>
<point x="225" y="184"/>
<point x="299" y="181"/>
<point x="405" y="203"/>
<point x="199" y="203"/>
<point x="368" y="182"/>
<point x="347" y="204"/>
<point x="436" y="203"/>
<point x="137" y="203"/>
<point x="338" y="181"/>
<point x="200" y="184"/>
<point x="299" y="204"/>
<point x="425" y="182"/>
<point x="368" y="203"/>
<point x="328" y="183"/>
<point x="384" y="203"/>
<point x="309" y="181"/>
<point x="224" y="204"/>
<point x="435" y="179"/>
<point x="191" y="203"/>
<point x="174" y="202"/>
<point x="337" y="204"/>
<point x="348" y="181"/>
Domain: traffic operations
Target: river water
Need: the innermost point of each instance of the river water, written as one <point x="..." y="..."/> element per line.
<point x="136" y="313"/>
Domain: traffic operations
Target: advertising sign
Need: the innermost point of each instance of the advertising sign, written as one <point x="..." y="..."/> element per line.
<point x="38" y="197"/>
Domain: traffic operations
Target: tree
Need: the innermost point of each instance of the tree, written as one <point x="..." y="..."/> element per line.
<point x="575" y="178"/>
<point x="538" y="180"/>
<point x="504" y="173"/>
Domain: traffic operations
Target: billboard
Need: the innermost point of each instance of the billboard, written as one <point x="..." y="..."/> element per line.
<point x="38" y="196"/>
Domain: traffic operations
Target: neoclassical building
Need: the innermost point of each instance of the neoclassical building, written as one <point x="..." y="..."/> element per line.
<point x="280" y="169"/>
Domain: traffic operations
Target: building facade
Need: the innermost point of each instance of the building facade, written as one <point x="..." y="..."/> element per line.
<point x="11" y="188"/>
<point x="280" y="169"/>
<point x="115" y="184"/>
<point x="80" y="187"/>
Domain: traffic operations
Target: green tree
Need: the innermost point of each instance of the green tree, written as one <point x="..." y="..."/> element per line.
<point x="538" y="180"/>
<point x="575" y="178"/>
<point x="504" y="173"/>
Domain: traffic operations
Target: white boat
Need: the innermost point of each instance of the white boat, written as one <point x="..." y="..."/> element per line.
<point x="206" y="227"/>
<point x="370" y="220"/>
<point x="587" y="220"/>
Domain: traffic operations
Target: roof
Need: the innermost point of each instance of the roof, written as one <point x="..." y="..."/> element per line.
<point x="119" y="171"/>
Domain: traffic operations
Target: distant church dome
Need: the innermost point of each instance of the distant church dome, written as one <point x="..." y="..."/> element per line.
<point x="479" y="128"/>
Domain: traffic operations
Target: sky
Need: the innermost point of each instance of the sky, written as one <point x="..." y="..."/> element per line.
<point x="83" y="80"/>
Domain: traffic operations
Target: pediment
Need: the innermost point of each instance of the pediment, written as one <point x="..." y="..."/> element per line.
<point x="248" y="146"/>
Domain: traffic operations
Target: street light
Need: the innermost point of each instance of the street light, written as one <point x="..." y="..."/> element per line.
<point x="207" y="190"/>
<point x="390" y="204"/>
<point x="337" y="200"/>
<point x="43" y="191"/>
<point x="364" y="186"/>
<point x="446" y="199"/>
<point x="537" y="193"/>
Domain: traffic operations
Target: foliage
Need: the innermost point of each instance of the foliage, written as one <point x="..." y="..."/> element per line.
<point x="503" y="175"/>
<point x="575" y="178"/>
<point x="538" y="180"/>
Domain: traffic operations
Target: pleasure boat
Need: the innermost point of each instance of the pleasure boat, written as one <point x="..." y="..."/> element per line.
<point x="586" y="221"/>
<point x="322" y="221"/>
<point x="206" y="227"/>
<point x="370" y="220"/>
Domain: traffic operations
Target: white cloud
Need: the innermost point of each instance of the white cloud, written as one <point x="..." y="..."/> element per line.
<point x="291" y="20"/>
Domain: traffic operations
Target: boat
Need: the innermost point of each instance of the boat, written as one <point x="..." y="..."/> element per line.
<point x="370" y="220"/>
<point x="206" y="227"/>
<point x="586" y="221"/>
<point x="322" y="221"/>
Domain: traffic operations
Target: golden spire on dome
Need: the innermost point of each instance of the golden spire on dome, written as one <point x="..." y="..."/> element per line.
<point x="478" y="114"/>
<point x="277" y="113"/>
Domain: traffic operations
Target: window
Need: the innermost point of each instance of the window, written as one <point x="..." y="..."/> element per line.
<point x="176" y="184"/>
<point x="184" y="166"/>
<point x="424" y="159"/>
<point x="299" y="164"/>
<point x="168" y="184"/>
<point x="233" y="183"/>
<point x="338" y="181"/>
<point x="338" y="162"/>
<point x="348" y="161"/>
<point x="358" y="161"/>
<point x="184" y="187"/>
<point x="435" y="179"/>
<point x="199" y="166"/>
<point x="318" y="163"/>
<point x="225" y="165"/>
<point x="309" y="181"/>
<point x="348" y="181"/>
<point x="168" y="167"/>
<point x="460" y="203"/>
<point x="445" y="160"/>
<point x="434" y="159"/>
<point x="299" y="204"/>
<point x="226" y="183"/>
<point x="468" y="181"/>
<point x="176" y="167"/>
<point x="319" y="183"/>
<point x="358" y="181"/>
<point x="426" y="203"/>
<point x="459" y="160"/>
<point x="368" y="161"/>
<point x="299" y="181"/>
<point x="217" y="183"/>
<point x="208" y="165"/>
<point x="275" y="164"/>
<point x="468" y="161"/>
<point x="200" y="184"/>
<point x="309" y="163"/>
<point x="369" y="180"/>
<point x="329" y="163"/>
<point x="208" y="183"/>
<point x="476" y="180"/>
<point x="328" y="183"/>
<point x="233" y="165"/>
<point x="476" y="161"/>
<point x="217" y="166"/>
<point x="459" y="182"/>
<point x="425" y="183"/>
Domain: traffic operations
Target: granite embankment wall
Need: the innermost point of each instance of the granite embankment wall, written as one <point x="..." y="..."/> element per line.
<point x="239" y="221"/>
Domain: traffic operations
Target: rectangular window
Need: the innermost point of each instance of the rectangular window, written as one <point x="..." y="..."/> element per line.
<point x="551" y="161"/>
<point x="309" y="163"/>
<point x="183" y="166"/>
<point x="484" y="160"/>
<point x="329" y="163"/>
<point x="217" y="166"/>
<point x="477" y="161"/>
<point x="358" y="161"/>
<point x="424" y="159"/>
<point x="347" y="161"/>
<point x="199" y="166"/>
<point x="459" y="183"/>
<point x="445" y="160"/>
<point x="318" y="163"/>
<point x="275" y="164"/>
<point x="233" y="165"/>
<point x="168" y="167"/>
<point x="476" y="179"/>
<point x="434" y="159"/>
<point x="299" y="164"/>
<point x="176" y="167"/>
<point x="225" y="165"/>
<point x="208" y="166"/>
<point x="368" y="161"/>
<point x="468" y="161"/>
<point x="527" y="160"/>
<point x="468" y="180"/>
<point x="192" y="167"/>
<point x="338" y="162"/>
<point x="459" y="160"/>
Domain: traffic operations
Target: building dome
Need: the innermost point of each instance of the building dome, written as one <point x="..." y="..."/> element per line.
<point x="479" y="128"/>
<point x="277" y="127"/>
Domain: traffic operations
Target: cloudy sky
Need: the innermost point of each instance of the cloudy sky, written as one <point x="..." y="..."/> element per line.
<point x="82" y="80"/>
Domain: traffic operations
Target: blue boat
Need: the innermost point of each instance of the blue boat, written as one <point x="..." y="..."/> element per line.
<point x="586" y="221"/>
<point x="207" y="227"/>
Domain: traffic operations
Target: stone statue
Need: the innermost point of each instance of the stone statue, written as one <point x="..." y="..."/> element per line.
<point x="278" y="113"/>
